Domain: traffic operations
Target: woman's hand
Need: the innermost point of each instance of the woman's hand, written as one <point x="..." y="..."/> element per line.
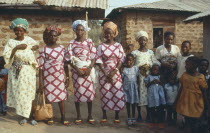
<point x="21" y="47"/>
<point x="35" y="47"/>
<point x="87" y="71"/>
<point x="80" y="72"/>
<point x="41" y="87"/>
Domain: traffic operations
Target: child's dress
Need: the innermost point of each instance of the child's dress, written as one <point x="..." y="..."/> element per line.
<point x="190" y="102"/>
<point x="141" y="59"/>
<point x="155" y="92"/>
<point x="171" y="92"/>
<point x="130" y="85"/>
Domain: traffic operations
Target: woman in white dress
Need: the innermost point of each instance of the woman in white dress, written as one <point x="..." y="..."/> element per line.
<point x="21" y="62"/>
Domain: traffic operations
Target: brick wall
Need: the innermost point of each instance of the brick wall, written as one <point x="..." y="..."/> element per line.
<point x="139" y="20"/>
<point x="37" y="24"/>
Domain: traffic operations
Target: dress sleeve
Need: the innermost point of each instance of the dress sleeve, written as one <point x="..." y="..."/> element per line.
<point x="68" y="52"/>
<point x="147" y="80"/>
<point x="92" y="50"/>
<point x="41" y="58"/>
<point x="121" y="56"/>
<point x="202" y="83"/>
<point x="99" y="54"/>
<point x="157" y="54"/>
<point x="7" y="53"/>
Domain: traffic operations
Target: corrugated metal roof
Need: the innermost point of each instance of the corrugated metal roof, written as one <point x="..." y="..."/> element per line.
<point x="198" y="16"/>
<point x="174" y="5"/>
<point x="103" y="4"/>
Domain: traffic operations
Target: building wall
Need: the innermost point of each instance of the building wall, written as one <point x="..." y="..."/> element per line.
<point x="37" y="24"/>
<point x="206" y="37"/>
<point x="140" y="20"/>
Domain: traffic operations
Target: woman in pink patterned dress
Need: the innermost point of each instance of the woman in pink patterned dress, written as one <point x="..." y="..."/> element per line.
<point x="110" y="56"/>
<point x="82" y="50"/>
<point x="51" y="72"/>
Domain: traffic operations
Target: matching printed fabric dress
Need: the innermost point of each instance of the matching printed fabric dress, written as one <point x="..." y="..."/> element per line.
<point x="84" y="87"/>
<point x="51" y="61"/>
<point x="112" y="96"/>
<point x="21" y="85"/>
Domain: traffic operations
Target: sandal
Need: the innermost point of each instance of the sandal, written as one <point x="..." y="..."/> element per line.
<point x="91" y="121"/>
<point x="78" y="122"/>
<point x="133" y="120"/>
<point x="65" y="123"/>
<point x="50" y="122"/>
<point x="23" y="122"/>
<point x="103" y="120"/>
<point x="34" y="123"/>
<point x="129" y="122"/>
<point x="116" y="121"/>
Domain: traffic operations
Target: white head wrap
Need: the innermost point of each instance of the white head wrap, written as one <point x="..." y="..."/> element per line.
<point x="81" y="22"/>
<point x="140" y="34"/>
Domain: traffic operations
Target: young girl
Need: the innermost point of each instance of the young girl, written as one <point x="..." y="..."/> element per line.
<point x="144" y="58"/>
<point x="155" y="96"/>
<point x="83" y="50"/>
<point x="190" y="100"/>
<point x="171" y="90"/>
<point x="185" y="49"/>
<point x="110" y="56"/>
<point x="51" y="71"/>
<point x="130" y="79"/>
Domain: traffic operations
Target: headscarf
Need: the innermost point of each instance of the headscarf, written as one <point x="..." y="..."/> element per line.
<point x="140" y="34"/>
<point x="112" y="26"/>
<point x="19" y="22"/>
<point x="52" y="28"/>
<point x="80" y="22"/>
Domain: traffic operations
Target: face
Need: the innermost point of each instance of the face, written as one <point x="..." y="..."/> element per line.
<point x="129" y="61"/>
<point x="185" y="48"/>
<point x="53" y="37"/>
<point x="143" y="41"/>
<point x="80" y="31"/>
<point x="130" y="47"/>
<point x="203" y="67"/>
<point x="19" y="32"/>
<point x="108" y="34"/>
<point x="45" y="38"/>
<point x="190" y="68"/>
<point x="155" y="70"/>
<point x="169" y="39"/>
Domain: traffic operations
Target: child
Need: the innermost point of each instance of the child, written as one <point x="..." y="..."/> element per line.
<point x="171" y="90"/>
<point x="190" y="100"/>
<point x="144" y="58"/>
<point x="155" y="96"/>
<point x="129" y="48"/>
<point x="203" y="69"/>
<point x="130" y="87"/>
<point x="3" y="81"/>
<point x="185" y="49"/>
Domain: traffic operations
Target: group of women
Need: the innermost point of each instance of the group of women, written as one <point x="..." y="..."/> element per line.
<point x="53" y="61"/>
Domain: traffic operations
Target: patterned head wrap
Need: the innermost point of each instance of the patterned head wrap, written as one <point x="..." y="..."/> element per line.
<point x="112" y="26"/>
<point x="19" y="22"/>
<point x="140" y="34"/>
<point x="80" y="22"/>
<point x="52" y="28"/>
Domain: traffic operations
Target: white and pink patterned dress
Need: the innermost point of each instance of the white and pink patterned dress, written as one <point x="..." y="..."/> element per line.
<point x="112" y="96"/>
<point x="51" y="61"/>
<point x="84" y="90"/>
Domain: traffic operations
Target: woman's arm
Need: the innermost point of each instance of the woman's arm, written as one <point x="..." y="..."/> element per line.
<point x="88" y="70"/>
<point x="18" y="47"/>
<point x="41" y="80"/>
<point x="66" y="69"/>
<point x="80" y="72"/>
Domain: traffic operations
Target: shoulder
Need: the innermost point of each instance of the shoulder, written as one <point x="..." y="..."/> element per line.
<point x="175" y="46"/>
<point x="28" y="38"/>
<point x="160" y="47"/>
<point x="89" y="40"/>
<point x="150" y="51"/>
<point x="134" y="52"/>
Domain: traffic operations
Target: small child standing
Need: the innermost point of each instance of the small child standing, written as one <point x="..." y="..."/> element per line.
<point x="203" y="69"/>
<point x="185" y="50"/>
<point x="155" y="96"/>
<point x="130" y="78"/>
<point x="3" y="81"/>
<point x="190" y="99"/>
<point x="171" y="90"/>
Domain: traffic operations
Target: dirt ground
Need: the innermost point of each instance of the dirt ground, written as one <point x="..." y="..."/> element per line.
<point x="9" y="123"/>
